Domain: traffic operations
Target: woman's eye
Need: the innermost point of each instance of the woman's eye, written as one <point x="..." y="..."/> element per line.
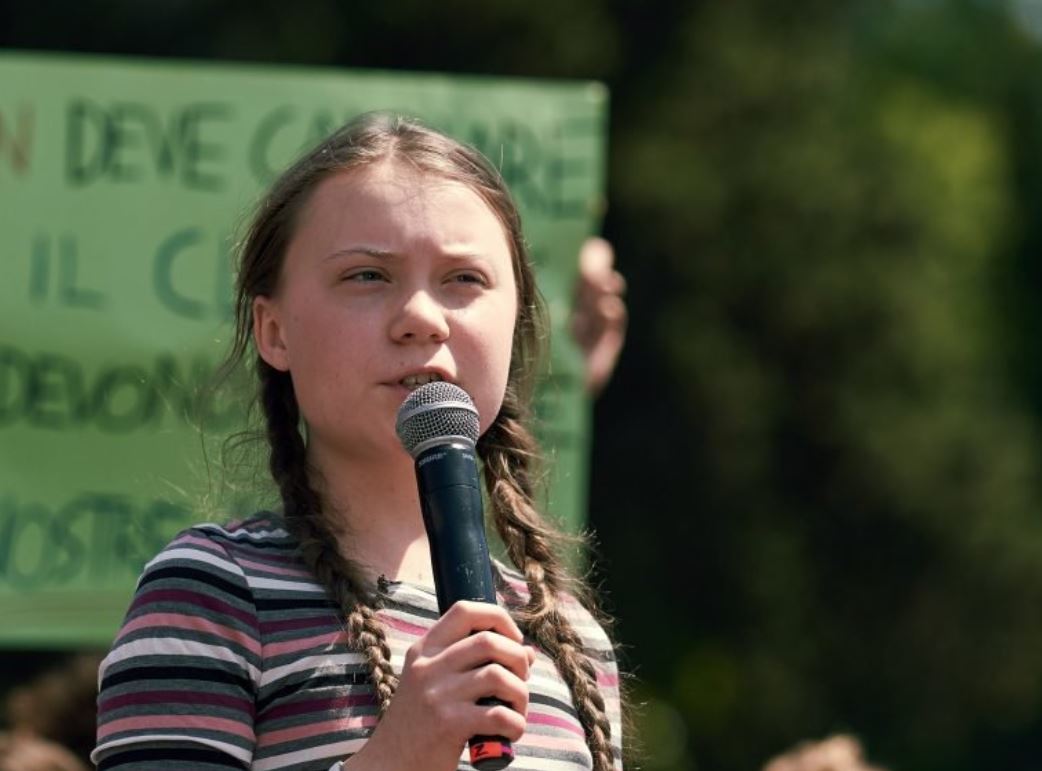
<point x="364" y="276"/>
<point x="469" y="278"/>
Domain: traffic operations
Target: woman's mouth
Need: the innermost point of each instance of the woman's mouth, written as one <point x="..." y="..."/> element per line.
<point x="412" y="382"/>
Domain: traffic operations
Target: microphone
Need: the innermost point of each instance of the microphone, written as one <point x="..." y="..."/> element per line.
<point x="438" y="426"/>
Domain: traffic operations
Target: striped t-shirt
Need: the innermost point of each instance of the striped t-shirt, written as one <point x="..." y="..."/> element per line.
<point x="232" y="656"/>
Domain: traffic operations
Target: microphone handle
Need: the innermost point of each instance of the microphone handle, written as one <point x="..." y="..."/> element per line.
<point x="450" y="498"/>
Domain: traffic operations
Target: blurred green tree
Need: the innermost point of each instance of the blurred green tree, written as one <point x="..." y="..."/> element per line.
<point x="834" y="196"/>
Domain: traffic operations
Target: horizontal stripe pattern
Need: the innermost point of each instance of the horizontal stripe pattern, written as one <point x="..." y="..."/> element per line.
<point x="232" y="656"/>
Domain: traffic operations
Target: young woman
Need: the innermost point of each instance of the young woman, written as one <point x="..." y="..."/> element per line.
<point x="387" y="257"/>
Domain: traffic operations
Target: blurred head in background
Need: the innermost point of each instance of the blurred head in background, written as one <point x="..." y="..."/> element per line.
<point x="836" y="753"/>
<point x="57" y="706"/>
<point x="25" y="752"/>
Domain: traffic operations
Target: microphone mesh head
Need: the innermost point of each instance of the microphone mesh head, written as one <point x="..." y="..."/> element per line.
<point x="434" y="411"/>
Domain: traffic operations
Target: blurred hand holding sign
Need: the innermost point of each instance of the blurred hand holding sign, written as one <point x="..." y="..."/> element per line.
<point x="123" y="183"/>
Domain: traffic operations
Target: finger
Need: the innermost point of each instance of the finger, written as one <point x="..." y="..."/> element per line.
<point x="596" y="259"/>
<point x="604" y="346"/>
<point x="590" y="288"/>
<point x="615" y="283"/>
<point x="597" y="274"/>
<point x="612" y="312"/>
<point x="596" y="316"/>
<point x="483" y="648"/>
<point x="465" y="618"/>
<point x="495" y="720"/>
<point x="493" y="682"/>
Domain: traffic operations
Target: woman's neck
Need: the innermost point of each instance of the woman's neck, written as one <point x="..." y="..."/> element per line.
<point x="378" y="507"/>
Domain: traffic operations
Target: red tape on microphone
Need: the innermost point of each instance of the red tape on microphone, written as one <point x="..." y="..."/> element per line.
<point x="490" y="754"/>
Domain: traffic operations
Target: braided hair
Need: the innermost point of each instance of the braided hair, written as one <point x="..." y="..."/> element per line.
<point x="507" y="449"/>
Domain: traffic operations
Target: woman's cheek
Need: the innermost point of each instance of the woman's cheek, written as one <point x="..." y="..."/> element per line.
<point x="493" y="390"/>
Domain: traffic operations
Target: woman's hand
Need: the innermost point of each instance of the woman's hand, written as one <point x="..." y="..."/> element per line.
<point x="473" y="651"/>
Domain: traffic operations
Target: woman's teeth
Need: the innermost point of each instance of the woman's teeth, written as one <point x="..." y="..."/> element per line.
<point x="415" y="381"/>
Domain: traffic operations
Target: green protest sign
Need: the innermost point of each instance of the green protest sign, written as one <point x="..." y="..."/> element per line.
<point x="123" y="183"/>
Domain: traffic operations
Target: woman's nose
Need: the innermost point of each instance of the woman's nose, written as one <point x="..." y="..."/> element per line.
<point x="420" y="318"/>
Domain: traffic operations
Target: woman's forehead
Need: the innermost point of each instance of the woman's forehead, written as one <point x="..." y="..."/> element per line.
<point x="397" y="202"/>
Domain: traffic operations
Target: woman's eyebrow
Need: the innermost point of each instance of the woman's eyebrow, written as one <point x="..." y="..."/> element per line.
<point x="368" y="251"/>
<point x="384" y="254"/>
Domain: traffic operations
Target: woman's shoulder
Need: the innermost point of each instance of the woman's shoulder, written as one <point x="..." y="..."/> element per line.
<point x="223" y="572"/>
<point x="257" y="539"/>
<point x="265" y="529"/>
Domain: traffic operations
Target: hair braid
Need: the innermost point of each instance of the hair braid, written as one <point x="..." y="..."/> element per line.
<point x="507" y="450"/>
<point x="302" y="508"/>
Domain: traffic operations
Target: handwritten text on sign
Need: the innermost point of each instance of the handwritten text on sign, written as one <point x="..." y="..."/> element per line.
<point x="125" y="187"/>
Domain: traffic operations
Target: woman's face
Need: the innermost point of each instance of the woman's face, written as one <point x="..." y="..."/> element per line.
<point x="393" y="277"/>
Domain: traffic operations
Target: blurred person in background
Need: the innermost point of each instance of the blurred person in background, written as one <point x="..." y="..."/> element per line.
<point x="25" y="752"/>
<point x="836" y="753"/>
<point x="58" y="706"/>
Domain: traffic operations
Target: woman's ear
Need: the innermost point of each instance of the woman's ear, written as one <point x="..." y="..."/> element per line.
<point x="267" y="333"/>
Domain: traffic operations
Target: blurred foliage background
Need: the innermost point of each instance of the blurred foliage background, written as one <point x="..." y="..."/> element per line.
<point x="815" y="475"/>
